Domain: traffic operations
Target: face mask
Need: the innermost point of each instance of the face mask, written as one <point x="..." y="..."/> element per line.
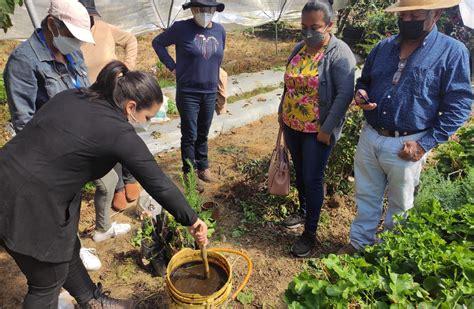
<point x="203" y="19"/>
<point x="65" y="44"/>
<point x="411" y="30"/>
<point x="313" y="38"/>
<point x="139" y="126"/>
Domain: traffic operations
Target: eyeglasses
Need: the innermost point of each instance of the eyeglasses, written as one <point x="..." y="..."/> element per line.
<point x="401" y="66"/>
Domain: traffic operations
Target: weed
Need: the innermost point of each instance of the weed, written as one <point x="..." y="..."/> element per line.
<point x="172" y="109"/>
<point x="3" y="93"/>
<point x="246" y="297"/>
<point x="251" y="94"/>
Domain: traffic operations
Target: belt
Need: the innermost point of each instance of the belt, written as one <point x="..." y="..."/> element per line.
<point x="392" y="133"/>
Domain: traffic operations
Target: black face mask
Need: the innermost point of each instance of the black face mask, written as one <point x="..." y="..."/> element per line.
<point x="411" y="30"/>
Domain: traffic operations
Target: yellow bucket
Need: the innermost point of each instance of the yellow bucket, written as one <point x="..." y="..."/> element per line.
<point x="186" y="300"/>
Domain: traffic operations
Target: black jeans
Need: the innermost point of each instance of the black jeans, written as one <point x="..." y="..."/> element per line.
<point x="310" y="158"/>
<point x="196" y="111"/>
<point x="46" y="279"/>
<point x="124" y="177"/>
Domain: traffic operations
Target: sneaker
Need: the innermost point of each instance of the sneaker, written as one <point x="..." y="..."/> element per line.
<point x="120" y="201"/>
<point x="302" y="247"/>
<point x="115" y="230"/>
<point x="294" y="221"/>
<point x="102" y="300"/>
<point x="90" y="259"/>
<point x="347" y="249"/>
<point x="132" y="191"/>
<point x="206" y="176"/>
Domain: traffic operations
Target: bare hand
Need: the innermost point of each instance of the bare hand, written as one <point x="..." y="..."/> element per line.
<point x="411" y="151"/>
<point x="199" y="231"/>
<point x="324" y="138"/>
<point x="359" y="99"/>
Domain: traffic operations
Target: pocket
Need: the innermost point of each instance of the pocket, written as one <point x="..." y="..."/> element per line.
<point x="53" y="83"/>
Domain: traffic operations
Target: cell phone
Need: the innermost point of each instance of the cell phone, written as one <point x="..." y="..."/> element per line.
<point x="365" y="99"/>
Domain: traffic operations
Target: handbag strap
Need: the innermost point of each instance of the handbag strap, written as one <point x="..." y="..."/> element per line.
<point x="280" y="139"/>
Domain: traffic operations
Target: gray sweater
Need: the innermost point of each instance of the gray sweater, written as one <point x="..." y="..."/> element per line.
<point x="336" y="85"/>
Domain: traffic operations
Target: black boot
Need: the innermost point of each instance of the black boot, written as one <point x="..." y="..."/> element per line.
<point x="101" y="300"/>
<point x="302" y="247"/>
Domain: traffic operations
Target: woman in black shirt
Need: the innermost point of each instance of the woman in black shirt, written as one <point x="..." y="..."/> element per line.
<point x="78" y="136"/>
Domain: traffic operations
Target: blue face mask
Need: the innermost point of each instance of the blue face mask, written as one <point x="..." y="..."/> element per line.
<point x="313" y="38"/>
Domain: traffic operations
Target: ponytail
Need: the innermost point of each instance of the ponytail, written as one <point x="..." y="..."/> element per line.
<point x="118" y="85"/>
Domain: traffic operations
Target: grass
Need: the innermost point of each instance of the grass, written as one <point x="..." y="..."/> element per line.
<point x="165" y="83"/>
<point x="251" y="94"/>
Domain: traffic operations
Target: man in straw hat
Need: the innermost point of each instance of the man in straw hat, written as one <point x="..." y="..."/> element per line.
<point x="415" y="91"/>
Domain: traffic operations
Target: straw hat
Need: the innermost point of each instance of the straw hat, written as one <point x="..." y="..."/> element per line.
<point x="411" y="5"/>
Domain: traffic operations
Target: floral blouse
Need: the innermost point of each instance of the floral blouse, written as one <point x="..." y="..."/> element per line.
<point x="300" y="104"/>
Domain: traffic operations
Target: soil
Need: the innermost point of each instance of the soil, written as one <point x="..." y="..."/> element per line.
<point x="266" y="243"/>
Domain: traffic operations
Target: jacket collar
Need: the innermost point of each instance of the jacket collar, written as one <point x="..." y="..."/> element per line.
<point x="40" y="48"/>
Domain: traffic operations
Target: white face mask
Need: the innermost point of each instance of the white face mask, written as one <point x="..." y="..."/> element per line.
<point x="203" y="19"/>
<point x="66" y="45"/>
<point x="139" y="126"/>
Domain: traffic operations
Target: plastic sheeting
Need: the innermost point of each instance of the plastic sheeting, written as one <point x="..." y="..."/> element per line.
<point x="141" y="16"/>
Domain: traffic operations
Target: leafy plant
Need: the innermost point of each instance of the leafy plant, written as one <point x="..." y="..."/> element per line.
<point x="340" y="167"/>
<point x="3" y="93"/>
<point x="7" y="8"/>
<point x="246" y="297"/>
<point x="144" y="233"/>
<point x="172" y="109"/>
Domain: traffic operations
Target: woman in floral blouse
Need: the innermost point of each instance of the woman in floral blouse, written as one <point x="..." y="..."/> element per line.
<point x="319" y="84"/>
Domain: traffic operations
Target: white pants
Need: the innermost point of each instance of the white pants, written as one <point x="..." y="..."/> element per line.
<point x="379" y="169"/>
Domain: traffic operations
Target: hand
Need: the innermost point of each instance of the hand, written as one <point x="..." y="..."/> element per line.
<point x="280" y="119"/>
<point x="324" y="138"/>
<point x="199" y="231"/>
<point x="145" y="215"/>
<point x="411" y="151"/>
<point x="358" y="98"/>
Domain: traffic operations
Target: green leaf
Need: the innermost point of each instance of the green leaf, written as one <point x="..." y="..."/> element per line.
<point x="246" y="297"/>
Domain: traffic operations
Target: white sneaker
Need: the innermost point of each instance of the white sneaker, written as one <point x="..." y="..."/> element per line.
<point x="90" y="259"/>
<point x="115" y="230"/>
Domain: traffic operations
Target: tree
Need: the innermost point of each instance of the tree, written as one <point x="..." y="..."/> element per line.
<point x="7" y="7"/>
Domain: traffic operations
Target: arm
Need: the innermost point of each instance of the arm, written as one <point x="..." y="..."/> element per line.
<point x="129" y="42"/>
<point x="364" y="81"/>
<point x="343" y="71"/>
<point x="133" y="153"/>
<point x="21" y="86"/>
<point x="161" y="42"/>
<point x="456" y="102"/>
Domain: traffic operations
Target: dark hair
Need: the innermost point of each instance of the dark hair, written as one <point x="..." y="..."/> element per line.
<point x="324" y="6"/>
<point x="59" y="23"/>
<point x="118" y="85"/>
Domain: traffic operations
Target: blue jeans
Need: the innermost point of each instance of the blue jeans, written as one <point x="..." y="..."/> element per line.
<point x="196" y="111"/>
<point x="310" y="158"/>
<point x="379" y="171"/>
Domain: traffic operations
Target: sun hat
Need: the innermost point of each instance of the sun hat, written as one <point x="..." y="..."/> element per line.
<point x="204" y="3"/>
<point x="90" y="6"/>
<point x="74" y="15"/>
<point x="411" y="5"/>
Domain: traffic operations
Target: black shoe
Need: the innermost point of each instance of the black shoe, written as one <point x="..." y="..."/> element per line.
<point x="302" y="247"/>
<point x="102" y="300"/>
<point x="294" y="221"/>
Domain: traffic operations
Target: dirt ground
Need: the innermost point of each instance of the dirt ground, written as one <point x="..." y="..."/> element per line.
<point x="267" y="244"/>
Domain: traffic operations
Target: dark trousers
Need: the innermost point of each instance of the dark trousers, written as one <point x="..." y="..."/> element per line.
<point x="124" y="177"/>
<point x="310" y="158"/>
<point x="46" y="279"/>
<point x="196" y="111"/>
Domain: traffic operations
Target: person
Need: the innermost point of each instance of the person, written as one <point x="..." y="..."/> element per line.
<point x="49" y="62"/>
<point x="221" y="100"/>
<point x="110" y="188"/>
<point x="200" y="45"/>
<point x="415" y="91"/>
<point x="70" y="141"/>
<point x="319" y="83"/>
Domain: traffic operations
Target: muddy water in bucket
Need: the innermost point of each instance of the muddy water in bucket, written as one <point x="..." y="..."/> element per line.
<point x="191" y="278"/>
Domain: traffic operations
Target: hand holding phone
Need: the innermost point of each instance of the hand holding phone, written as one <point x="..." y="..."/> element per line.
<point x="362" y="99"/>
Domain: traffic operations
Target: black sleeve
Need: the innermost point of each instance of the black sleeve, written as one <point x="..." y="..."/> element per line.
<point x="132" y="152"/>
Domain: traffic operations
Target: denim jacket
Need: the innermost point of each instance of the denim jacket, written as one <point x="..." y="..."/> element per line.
<point x="32" y="76"/>
<point x="336" y="88"/>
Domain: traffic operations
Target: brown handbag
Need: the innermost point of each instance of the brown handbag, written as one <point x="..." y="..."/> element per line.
<point x="279" y="170"/>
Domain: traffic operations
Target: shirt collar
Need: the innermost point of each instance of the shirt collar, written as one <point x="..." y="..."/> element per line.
<point x="39" y="47"/>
